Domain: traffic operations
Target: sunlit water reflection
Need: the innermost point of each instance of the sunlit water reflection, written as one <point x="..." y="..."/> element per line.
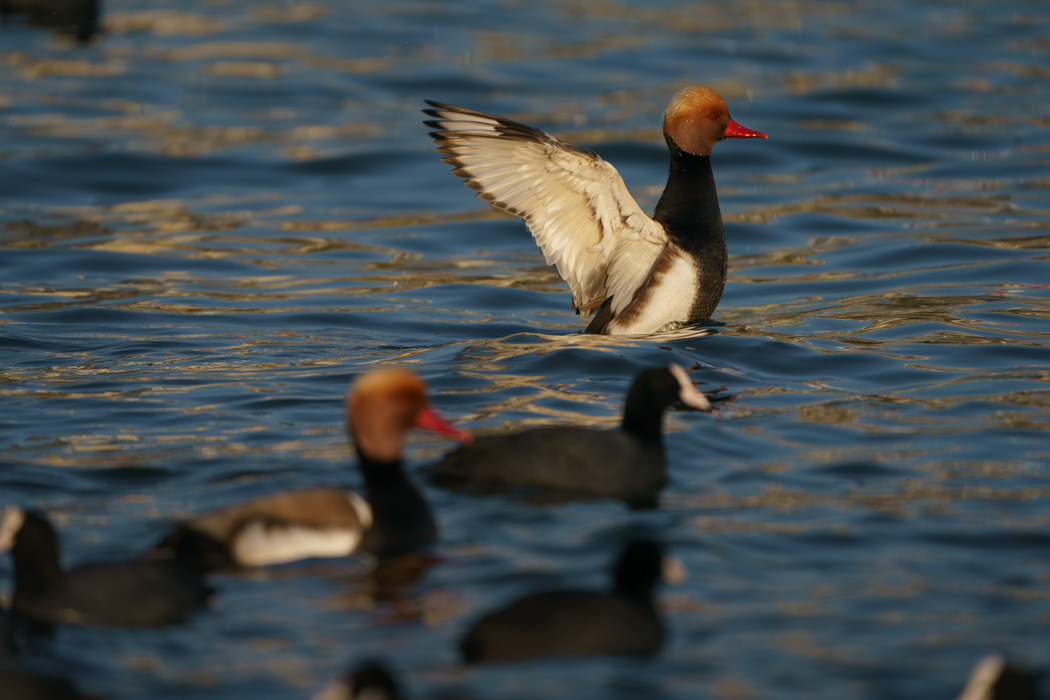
<point x="212" y="218"/>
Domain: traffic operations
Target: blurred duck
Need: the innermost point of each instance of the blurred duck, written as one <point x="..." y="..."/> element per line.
<point x="134" y="593"/>
<point x="391" y="519"/>
<point x="7" y="639"/>
<point x="369" y="681"/>
<point x="640" y="274"/>
<point x="18" y="685"/>
<point x="622" y="620"/>
<point x="626" y="464"/>
<point x="78" y="18"/>
<point x="993" y="679"/>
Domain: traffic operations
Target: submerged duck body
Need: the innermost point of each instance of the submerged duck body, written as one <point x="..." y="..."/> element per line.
<point x="640" y="274"/>
<point x="391" y="518"/>
<point x="133" y="593"/>
<point x="627" y="464"/>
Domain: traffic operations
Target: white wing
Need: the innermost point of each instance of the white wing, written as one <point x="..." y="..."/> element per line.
<point x="574" y="203"/>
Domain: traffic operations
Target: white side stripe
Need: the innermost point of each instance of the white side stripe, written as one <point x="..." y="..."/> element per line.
<point x="260" y="543"/>
<point x="361" y="508"/>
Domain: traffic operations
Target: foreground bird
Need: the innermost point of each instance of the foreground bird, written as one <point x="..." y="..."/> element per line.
<point x="19" y="685"/>
<point x="392" y="518"/>
<point x="641" y="275"/>
<point x="79" y="18"/>
<point x="369" y="681"/>
<point x="135" y="593"/>
<point x="570" y="460"/>
<point x="993" y="679"/>
<point x="574" y="622"/>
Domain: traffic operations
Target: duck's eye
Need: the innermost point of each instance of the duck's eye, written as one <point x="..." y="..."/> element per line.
<point x="713" y="115"/>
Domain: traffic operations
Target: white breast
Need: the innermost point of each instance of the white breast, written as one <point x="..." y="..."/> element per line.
<point x="263" y="543"/>
<point x="669" y="300"/>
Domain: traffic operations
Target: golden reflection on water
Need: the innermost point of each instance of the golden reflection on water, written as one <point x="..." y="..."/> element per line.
<point x="170" y="227"/>
<point x="320" y="257"/>
<point x="252" y="60"/>
<point x="734" y="511"/>
<point x="162" y="23"/>
<point x="494" y="355"/>
<point x="878" y="75"/>
<point x="179" y="228"/>
<point x="299" y="12"/>
<point x="32" y="68"/>
<point x="912" y="206"/>
<point x="269" y="60"/>
<point x="706" y="17"/>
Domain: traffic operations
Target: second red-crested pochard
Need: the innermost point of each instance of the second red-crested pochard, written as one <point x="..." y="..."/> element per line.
<point x="392" y="517"/>
<point x="577" y="461"/>
<point x="640" y="274"/>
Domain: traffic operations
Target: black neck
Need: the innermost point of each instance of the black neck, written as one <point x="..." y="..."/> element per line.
<point x="640" y="591"/>
<point x="643" y="415"/>
<point x="36" y="556"/>
<point x="636" y="585"/>
<point x="688" y="209"/>
<point x="646" y="426"/>
<point x="401" y="517"/>
<point x="381" y="477"/>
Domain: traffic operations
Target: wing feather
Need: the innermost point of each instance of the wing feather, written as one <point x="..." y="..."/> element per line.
<point x="575" y="204"/>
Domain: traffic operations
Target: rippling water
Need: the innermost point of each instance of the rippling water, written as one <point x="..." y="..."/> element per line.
<point x="211" y="218"/>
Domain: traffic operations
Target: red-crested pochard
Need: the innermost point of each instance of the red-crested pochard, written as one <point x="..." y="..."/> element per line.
<point x="640" y="274"/>
<point x="392" y="517"/>
<point x="568" y="460"/>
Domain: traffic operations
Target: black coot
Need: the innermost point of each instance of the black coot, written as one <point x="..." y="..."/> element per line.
<point x="572" y="622"/>
<point x="18" y="685"/>
<point x="993" y="678"/>
<point x="133" y="593"/>
<point x="627" y="464"/>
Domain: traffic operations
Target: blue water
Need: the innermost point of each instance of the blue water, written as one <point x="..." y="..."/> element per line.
<point x="212" y="218"/>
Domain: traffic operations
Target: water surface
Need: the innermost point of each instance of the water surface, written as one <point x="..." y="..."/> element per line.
<point x="212" y="218"/>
